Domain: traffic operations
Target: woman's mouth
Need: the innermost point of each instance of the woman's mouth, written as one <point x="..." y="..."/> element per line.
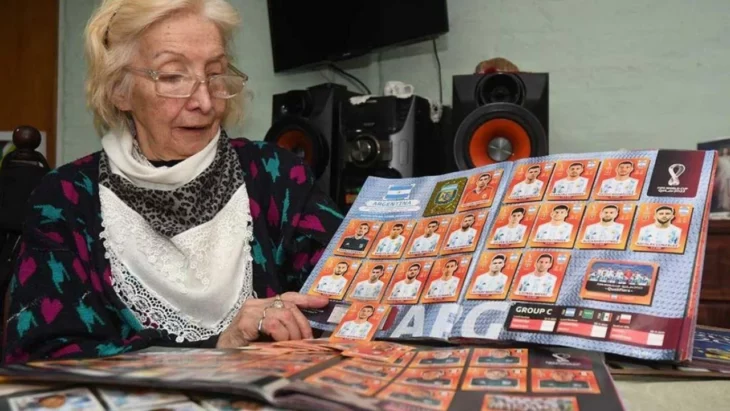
<point x="194" y="128"/>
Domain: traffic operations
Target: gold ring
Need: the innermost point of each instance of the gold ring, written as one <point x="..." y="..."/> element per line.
<point x="277" y="302"/>
<point x="260" y="327"/>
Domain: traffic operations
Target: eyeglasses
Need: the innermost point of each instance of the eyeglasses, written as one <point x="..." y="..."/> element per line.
<point x="183" y="85"/>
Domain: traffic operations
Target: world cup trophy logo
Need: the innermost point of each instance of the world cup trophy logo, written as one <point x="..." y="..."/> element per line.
<point x="675" y="170"/>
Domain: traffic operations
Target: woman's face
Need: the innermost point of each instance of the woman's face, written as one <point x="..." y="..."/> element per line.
<point x="175" y="128"/>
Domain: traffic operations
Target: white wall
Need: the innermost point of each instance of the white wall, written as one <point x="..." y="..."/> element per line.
<point x="624" y="74"/>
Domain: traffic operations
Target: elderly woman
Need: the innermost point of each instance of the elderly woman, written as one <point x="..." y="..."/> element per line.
<point x="173" y="234"/>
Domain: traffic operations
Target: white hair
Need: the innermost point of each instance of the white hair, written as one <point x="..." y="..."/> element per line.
<point x="111" y="39"/>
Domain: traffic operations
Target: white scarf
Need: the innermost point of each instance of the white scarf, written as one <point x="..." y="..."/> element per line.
<point x="193" y="283"/>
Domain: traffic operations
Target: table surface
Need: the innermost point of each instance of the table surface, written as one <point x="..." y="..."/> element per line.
<point x="639" y="394"/>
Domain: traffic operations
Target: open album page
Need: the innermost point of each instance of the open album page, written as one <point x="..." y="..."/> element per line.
<point x="596" y="251"/>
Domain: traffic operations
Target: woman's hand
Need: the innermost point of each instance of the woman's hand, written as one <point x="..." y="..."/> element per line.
<point x="281" y="324"/>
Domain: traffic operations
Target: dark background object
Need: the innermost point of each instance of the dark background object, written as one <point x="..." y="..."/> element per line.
<point x="387" y="137"/>
<point x="308" y="33"/>
<point x="21" y="172"/>
<point x="499" y="117"/>
<point x="307" y="122"/>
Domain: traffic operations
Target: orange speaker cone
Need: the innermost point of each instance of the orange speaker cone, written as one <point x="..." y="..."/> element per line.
<point x="513" y="132"/>
<point x="298" y="142"/>
<point x="498" y="132"/>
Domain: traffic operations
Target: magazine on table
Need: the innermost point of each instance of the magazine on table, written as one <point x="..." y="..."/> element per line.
<point x="710" y="359"/>
<point x="712" y="347"/>
<point x="598" y="251"/>
<point x="317" y="374"/>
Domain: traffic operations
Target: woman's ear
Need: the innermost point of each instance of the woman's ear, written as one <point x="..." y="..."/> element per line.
<point x="121" y="98"/>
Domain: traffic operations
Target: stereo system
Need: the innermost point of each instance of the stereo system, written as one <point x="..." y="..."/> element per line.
<point x="307" y="122"/>
<point x="384" y="137"/>
<point x="499" y="117"/>
<point x="495" y="117"/>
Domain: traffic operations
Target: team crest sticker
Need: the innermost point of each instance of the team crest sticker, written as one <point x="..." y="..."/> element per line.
<point x="446" y="194"/>
<point x="445" y="197"/>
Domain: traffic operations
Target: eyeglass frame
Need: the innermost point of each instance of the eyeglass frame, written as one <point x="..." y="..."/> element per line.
<point x="155" y="76"/>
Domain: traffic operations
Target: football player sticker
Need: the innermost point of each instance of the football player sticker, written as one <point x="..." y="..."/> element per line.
<point x="557" y="225"/>
<point x="572" y="180"/>
<point x="392" y="239"/>
<point x="371" y="281"/>
<point x="492" y="278"/>
<point x="661" y="228"/>
<point x="358" y="238"/>
<point x="621" y="179"/>
<point x="408" y="281"/>
<point x="513" y="225"/>
<point x="335" y="277"/>
<point x="606" y="226"/>
<point x="529" y="182"/>
<point x="480" y="190"/>
<point x="361" y="322"/>
<point x="446" y="280"/>
<point x="428" y="236"/>
<point x="540" y="276"/>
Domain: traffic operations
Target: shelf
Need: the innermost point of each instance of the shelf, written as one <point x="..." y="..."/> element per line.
<point x="719" y="226"/>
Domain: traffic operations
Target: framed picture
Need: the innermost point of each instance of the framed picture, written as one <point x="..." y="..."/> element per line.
<point x="720" y="207"/>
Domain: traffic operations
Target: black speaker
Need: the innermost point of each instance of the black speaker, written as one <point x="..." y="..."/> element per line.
<point x="307" y="122"/>
<point x="499" y="117"/>
<point x="384" y="137"/>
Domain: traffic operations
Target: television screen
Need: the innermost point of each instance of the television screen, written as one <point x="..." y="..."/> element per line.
<point x="308" y="33"/>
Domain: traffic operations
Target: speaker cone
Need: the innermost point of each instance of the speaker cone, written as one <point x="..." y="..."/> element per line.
<point x="500" y="88"/>
<point x="302" y="138"/>
<point x="364" y="150"/>
<point x="495" y="133"/>
<point x="296" y="103"/>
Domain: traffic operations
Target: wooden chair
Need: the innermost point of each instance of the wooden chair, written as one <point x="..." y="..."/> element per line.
<point x="20" y="173"/>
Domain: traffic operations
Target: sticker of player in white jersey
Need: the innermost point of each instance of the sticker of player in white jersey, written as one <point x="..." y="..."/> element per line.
<point x="662" y="233"/>
<point x="393" y="243"/>
<point x="513" y="232"/>
<point x="428" y="241"/>
<point x="512" y="226"/>
<point x="606" y="226"/>
<point x="557" y="230"/>
<point x="493" y="281"/>
<point x="370" y="288"/>
<point x="360" y="322"/>
<point x="623" y="184"/>
<point x="447" y="284"/>
<point x="530" y="187"/>
<point x="465" y="236"/>
<point x="573" y="184"/>
<point x="335" y="283"/>
<point x="493" y="275"/>
<point x="408" y="289"/>
<point x="446" y="279"/>
<point x="606" y="231"/>
<point x="358" y="329"/>
<point x="539" y="283"/>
